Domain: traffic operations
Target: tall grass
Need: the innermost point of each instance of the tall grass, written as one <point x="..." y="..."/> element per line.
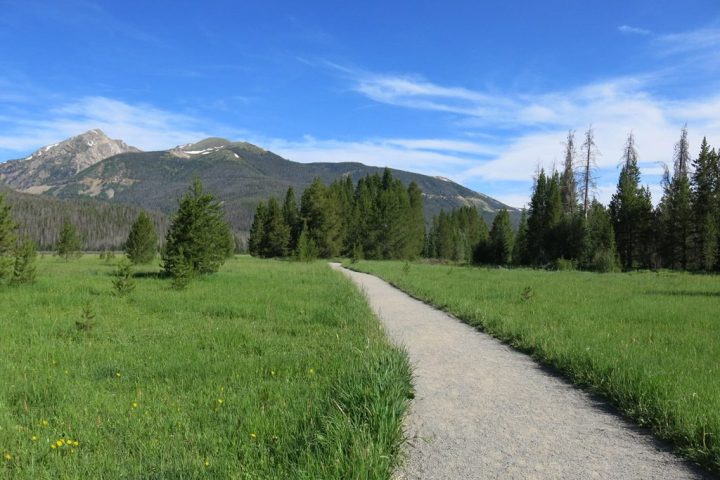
<point x="265" y="370"/>
<point x="649" y="342"/>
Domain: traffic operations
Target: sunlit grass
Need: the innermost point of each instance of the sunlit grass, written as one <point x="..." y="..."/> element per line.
<point x="267" y="369"/>
<point x="650" y="342"/>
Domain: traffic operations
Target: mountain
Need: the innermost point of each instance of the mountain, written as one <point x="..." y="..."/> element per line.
<point x="92" y="166"/>
<point x="55" y="164"/>
<point x="240" y="174"/>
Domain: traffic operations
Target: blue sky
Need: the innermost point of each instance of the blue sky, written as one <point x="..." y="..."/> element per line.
<point x="479" y="92"/>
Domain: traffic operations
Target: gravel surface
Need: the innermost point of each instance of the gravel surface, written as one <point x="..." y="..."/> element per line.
<point x="483" y="410"/>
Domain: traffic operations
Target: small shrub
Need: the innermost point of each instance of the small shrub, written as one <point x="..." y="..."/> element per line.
<point x="88" y="319"/>
<point x="563" y="265"/>
<point x="123" y="281"/>
<point x="527" y="294"/>
<point x="406" y="268"/>
<point x="183" y="272"/>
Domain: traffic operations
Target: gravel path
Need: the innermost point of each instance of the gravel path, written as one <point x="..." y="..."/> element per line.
<point x="482" y="410"/>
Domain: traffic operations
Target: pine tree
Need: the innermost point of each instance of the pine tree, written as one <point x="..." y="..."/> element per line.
<point x="123" y="280"/>
<point x="599" y="253"/>
<point x="501" y="238"/>
<point x="257" y="231"/>
<point x="415" y="222"/>
<point x="7" y="240"/>
<point x="631" y="211"/>
<point x="69" y="243"/>
<point x="198" y="233"/>
<point x="306" y="248"/>
<point x="24" y="265"/>
<point x="705" y="202"/>
<point x="291" y="216"/>
<point x="276" y="239"/>
<point x="520" y="254"/>
<point x="141" y="244"/>
<point x="675" y="210"/>
<point x="323" y="222"/>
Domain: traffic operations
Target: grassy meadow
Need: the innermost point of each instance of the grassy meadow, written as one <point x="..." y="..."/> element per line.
<point x="267" y="369"/>
<point x="649" y="342"/>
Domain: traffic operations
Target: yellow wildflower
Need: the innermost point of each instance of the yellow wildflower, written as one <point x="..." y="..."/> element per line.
<point x="44" y="423"/>
<point x="117" y="374"/>
<point x="7" y="456"/>
<point x="311" y="371"/>
<point x="134" y="404"/>
<point x="60" y="442"/>
<point x="221" y="401"/>
<point x="33" y="438"/>
<point x="52" y="446"/>
<point x="207" y="463"/>
<point x="253" y="435"/>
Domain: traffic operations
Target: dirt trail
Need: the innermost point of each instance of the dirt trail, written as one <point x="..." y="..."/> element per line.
<point x="482" y="410"/>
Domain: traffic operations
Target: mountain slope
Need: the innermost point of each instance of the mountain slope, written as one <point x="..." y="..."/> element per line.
<point x="101" y="225"/>
<point x="241" y="175"/>
<point x="55" y="164"/>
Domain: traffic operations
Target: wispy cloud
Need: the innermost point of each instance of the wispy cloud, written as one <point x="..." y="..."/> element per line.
<point x="703" y="40"/>
<point x="143" y="125"/>
<point x="633" y="30"/>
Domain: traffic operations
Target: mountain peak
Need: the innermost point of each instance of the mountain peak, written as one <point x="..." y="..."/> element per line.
<point x="58" y="162"/>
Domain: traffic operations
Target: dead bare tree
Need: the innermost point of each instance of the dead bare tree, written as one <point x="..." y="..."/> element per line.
<point x="590" y="153"/>
<point x="568" y="182"/>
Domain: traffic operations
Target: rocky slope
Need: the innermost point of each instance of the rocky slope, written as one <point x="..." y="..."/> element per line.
<point x="55" y="164"/>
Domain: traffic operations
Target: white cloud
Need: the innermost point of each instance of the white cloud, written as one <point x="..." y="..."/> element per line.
<point x="633" y="30"/>
<point x="141" y="125"/>
<point x="703" y="40"/>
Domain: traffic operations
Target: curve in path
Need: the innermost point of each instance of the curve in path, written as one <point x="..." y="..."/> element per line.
<point x="482" y="410"/>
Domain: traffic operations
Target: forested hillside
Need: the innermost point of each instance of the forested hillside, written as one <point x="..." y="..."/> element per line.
<point x="242" y="175"/>
<point x="101" y="225"/>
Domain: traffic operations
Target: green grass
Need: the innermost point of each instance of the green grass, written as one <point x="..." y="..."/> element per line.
<point x="266" y="369"/>
<point x="649" y="342"/>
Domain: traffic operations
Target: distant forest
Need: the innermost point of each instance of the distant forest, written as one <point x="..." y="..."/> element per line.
<point x="564" y="227"/>
<point x="378" y="218"/>
<point x="101" y="226"/>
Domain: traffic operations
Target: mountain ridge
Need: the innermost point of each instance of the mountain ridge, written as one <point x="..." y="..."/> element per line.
<point x="54" y="164"/>
<point x="241" y="175"/>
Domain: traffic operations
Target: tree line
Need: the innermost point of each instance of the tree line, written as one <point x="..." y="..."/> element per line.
<point x="565" y="227"/>
<point x="100" y="226"/>
<point x="377" y="218"/>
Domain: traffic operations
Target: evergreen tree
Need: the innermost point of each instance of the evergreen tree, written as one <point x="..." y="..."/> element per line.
<point x="141" y="244"/>
<point x="24" y="265"/>
<point x="415" y="228"/>
<point x="7" y="240"/>
<point x="631" y="211"/>
<point x="291" y="215"/>
<point x="675" y="210"/>
<point x="501" y="238"/>
<point x="306" y="248"/>
<point x="276" y="233"/>
<point x="69" y="243"/>
<point x="257" y="231"/>
<point x="520" y="254"/>
<point x="123" y="280"/>
<point x="705" y="203"/>
<point x="323" y="222"/>
<point x="198" y="233"/>
<point x="545" y="219"/>
<point x="599" y="253"/>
